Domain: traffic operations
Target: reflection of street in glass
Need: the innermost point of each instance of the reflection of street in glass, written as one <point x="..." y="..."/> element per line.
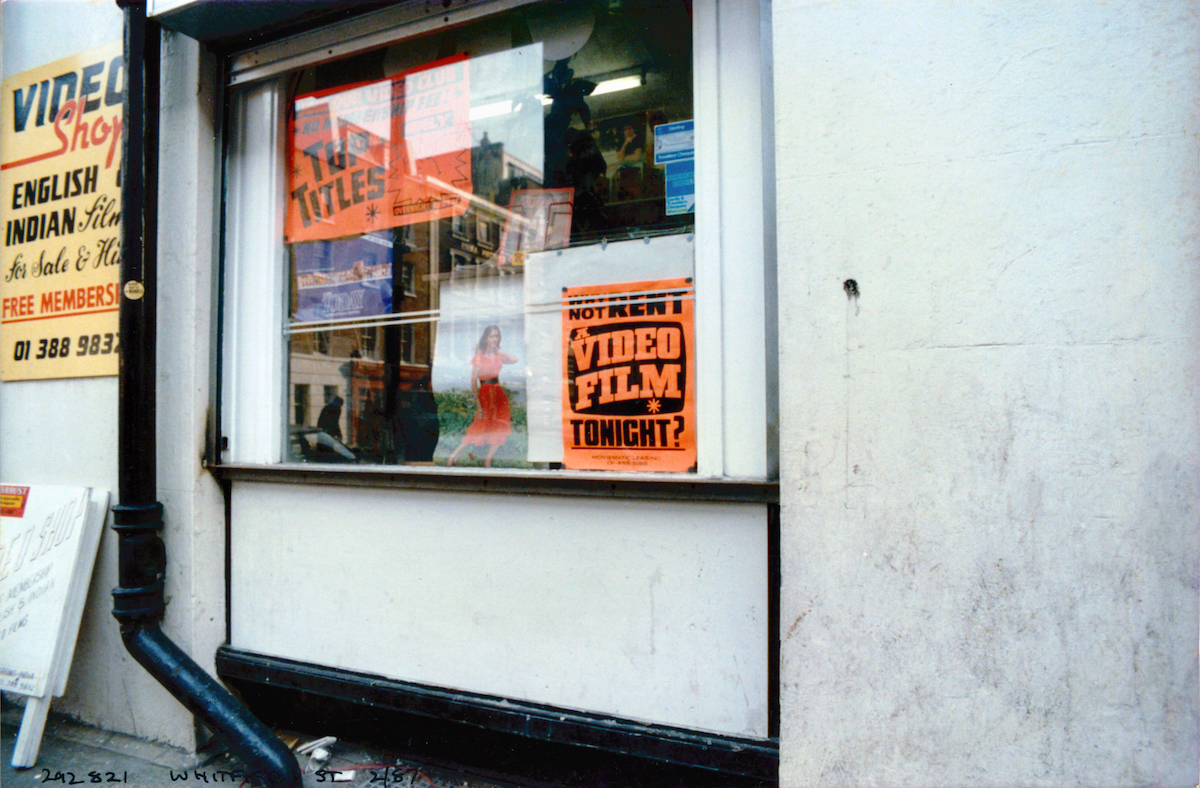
<point x="417" y="428"/>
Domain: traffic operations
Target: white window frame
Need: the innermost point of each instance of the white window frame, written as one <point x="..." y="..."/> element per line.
<point x="731" y="307"/>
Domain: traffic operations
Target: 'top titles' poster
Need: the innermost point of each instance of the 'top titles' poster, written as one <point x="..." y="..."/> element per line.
<point x="380" y="154"/>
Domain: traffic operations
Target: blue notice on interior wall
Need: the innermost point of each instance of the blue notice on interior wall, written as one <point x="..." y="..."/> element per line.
<point x="681" y="187"/>
<point x="675" y="146"/>
<point x="674" y="141"/>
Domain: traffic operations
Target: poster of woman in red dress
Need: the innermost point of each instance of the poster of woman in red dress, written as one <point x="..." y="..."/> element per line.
<point x="493" y="421"/>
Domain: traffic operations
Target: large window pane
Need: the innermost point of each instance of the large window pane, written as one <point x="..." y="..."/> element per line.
<point x="454" y="202"/>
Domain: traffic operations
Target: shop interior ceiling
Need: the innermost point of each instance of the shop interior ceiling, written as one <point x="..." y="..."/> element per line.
<point x="598" y="41"/>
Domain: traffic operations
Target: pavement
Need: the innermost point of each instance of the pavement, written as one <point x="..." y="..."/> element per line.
<point x="76" y="754"/>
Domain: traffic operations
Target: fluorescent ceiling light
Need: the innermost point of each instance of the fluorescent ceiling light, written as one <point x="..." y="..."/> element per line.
<point x="491" y="110"/>
<point x="606" y="86"/>
<point x="620" y="83"/>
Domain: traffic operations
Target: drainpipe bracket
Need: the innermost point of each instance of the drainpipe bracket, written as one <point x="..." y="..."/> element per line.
<point x="126" y="516"/>
<point x="134" y="605"/>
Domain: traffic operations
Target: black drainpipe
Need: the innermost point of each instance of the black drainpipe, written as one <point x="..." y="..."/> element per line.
<point x="138" y="603"/>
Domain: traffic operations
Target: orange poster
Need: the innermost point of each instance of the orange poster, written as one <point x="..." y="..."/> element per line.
<point x="380" y="154"/>
<point x="629" y="377"/>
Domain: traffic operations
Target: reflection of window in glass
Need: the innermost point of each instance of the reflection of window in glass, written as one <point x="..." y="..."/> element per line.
<point x="405" y="238"/>
<point x="300" y="403"/>
<point x="484" y="232"/>
<point x="322" y="342"/>
<point x="408" y="276"/>
<point x="408" y="346"/>
<point x="366" y="339"/>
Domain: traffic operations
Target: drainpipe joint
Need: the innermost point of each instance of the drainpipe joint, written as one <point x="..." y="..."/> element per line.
<point x="142" y="562"/>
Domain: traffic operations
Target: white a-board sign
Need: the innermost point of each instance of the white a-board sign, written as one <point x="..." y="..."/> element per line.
<point x="48" y="540"/>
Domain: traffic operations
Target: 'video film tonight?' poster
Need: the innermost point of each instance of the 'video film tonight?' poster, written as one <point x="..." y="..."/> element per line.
<point x="629" y="377"/>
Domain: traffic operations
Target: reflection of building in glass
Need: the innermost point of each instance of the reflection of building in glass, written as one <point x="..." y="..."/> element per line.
<point x="319" y="363"/>
<point x="382" y="366"/>
<point x="497" y="173"/>
<point x="472" y="239"/>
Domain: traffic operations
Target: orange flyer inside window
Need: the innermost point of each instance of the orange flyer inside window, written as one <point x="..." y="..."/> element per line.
<point x="380" y="154"/>
<point x="629" y="377"/>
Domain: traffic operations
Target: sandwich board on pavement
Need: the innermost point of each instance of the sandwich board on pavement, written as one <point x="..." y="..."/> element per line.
<point x="48" y="540"/>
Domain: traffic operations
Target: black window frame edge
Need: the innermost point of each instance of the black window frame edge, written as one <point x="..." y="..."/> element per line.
<point x="271" y="683"/>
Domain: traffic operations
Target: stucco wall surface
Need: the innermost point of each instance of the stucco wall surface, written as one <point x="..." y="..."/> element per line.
<point x="990" y="475"/>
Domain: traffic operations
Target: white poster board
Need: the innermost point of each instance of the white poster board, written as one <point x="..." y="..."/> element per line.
<point x="546" y="274"/>
<point x="48" y="540"/>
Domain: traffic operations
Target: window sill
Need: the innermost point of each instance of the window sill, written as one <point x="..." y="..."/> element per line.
<point x="561" y="483"/>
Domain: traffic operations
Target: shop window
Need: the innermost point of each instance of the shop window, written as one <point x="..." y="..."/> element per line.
<point x="507" y="202"/>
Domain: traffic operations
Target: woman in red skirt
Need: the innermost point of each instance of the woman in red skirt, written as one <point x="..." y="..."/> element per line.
<point x="493" y="423"/>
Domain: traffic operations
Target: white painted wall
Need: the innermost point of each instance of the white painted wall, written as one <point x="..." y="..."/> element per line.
<point x="65" y="431"/>
<point x="194" y="503"/>
<point x="989" y="460"/>
<point x="654" y="611"/>
<point x="990" y="475"/>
